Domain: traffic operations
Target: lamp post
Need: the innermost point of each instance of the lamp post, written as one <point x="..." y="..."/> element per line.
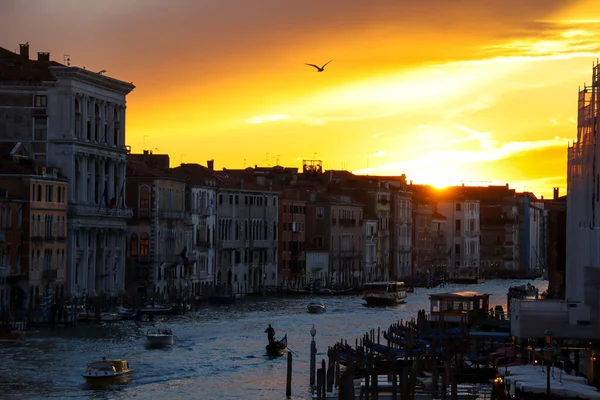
<point x="548" y="351"/>
<point x="313" y="355"/>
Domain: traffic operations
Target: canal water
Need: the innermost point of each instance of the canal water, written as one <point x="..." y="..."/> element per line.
<point x="219" y="351"/>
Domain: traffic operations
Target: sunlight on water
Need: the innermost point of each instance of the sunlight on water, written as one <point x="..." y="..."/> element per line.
<point x="219" y="351"/>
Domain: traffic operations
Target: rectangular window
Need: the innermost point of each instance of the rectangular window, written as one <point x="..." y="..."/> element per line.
<point x="40" y="101"/>
<point x="320" y="212"/>
<point x="457" y="225"/>
<point x="40" y="128"/>
<point x="457" y="206"/>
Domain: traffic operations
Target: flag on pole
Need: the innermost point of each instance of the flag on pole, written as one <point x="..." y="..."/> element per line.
<point x="120" y="201"/>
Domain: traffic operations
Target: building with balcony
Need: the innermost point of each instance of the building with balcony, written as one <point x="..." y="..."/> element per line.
<point x="33" y="229"/>
<point x="247" y="235"/>
<point x="347" y="242"/>
<point x="74" y="119"/>
<point x="292" y="237"/>
<point x="201" y="209"/>
<point x="319" y="220"/>
<point x="440" y="247"/>
<point x="157" y="264"/>
<point x="401" y="234"/>
<point x="422" y="239"/>
<point x="462" y="230"/>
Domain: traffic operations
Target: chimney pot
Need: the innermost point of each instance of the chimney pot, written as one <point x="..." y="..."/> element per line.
<point x="43" y="57"/>
<point x="210" y="164"/>
<point x="24" y="51"/>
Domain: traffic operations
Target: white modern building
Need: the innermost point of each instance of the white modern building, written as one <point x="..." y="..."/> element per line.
<point x="74" y="119"/>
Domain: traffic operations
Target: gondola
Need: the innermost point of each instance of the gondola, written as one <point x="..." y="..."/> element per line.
<point x="277" y="347"/>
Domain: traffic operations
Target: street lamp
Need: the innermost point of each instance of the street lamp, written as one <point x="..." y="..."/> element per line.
<point x="548" y="353"/>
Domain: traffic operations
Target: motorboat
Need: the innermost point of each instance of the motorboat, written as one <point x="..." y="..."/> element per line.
<point x="277" y="347"/>
<point x="107" y="372"/>
<point x="160" y="337"/>
<point x="316" y="307"/>
<point x="384" y="293"/>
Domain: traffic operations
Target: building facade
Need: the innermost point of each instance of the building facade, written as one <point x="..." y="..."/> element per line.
<point x="74" y="119"/>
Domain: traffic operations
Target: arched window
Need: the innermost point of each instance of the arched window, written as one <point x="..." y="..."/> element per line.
<point x="144" y="244"/>
<point x="97" y="122"/>
<point x="78" y="119"/>
<point x="145" y="197"/>
<point x="133" y="245"/>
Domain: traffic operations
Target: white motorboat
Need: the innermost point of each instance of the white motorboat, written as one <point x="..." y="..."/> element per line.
<point x="160" y="337"/>
<point x="107" y="372"/>
<point x="384" y="293"/>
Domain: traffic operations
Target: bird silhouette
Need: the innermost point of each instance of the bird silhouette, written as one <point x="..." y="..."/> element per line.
<point x="320" y="69"/>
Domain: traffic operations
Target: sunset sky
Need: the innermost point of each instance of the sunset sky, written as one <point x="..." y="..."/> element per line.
<point x="482" y="92"/>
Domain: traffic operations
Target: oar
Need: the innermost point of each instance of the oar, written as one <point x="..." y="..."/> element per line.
<point x="292" y="351"/>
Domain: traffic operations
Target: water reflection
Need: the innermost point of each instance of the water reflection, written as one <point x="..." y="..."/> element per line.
<point x="219" y="351"/>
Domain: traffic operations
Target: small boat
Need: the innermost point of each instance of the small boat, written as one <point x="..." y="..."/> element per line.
<point x="155" y="309"/>
<point x="222" y="299"/>
<point x="110" y="317"/>
<point x="384" y="293"/>
<point x="107" y="372"/>
<point x="316" y="307"/>
<point x="8" y="333"/>
<point x="160" y="337"/>
<point x="277" y="347"/>
<point x="127" y="313"/>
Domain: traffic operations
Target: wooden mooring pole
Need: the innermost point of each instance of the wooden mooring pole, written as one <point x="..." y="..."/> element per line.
<point x="288" y="386"/>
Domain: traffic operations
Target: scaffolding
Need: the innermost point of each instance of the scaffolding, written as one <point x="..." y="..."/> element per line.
<point x="583" y="189"/>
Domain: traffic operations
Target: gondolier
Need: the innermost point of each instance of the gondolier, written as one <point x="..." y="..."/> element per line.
<point x="270" y="333"/>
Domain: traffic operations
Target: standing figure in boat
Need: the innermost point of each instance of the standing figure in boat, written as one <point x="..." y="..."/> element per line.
<point x="270" y="333"/>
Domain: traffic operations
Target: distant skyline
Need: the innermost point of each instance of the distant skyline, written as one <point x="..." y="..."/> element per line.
<point x="442" y="91"/>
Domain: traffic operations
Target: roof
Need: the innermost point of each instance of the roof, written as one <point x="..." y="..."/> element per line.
<point x="458" y="295"/>
<point x="437" y="215"/>
<point x="136" y="169"/>
<point x="15" y="68"/>
<point x="197" y="174"/>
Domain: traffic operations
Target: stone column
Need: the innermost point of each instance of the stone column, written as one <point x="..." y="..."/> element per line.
<point x="122" y="176"/>
<point x="102" y="185"/>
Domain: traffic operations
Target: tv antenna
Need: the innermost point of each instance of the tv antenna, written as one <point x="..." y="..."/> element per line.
<point x="67" y="60"/>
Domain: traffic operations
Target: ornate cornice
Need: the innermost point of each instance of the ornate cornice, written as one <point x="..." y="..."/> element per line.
<point x="92" y="78"/>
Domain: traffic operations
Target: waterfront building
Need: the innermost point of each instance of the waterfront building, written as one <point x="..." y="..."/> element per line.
<point x="401" y="230"/>
<point x="201" y="217"/>
<point x="556" y="247"/>
<point x="247" y="235"/>
<point x="157" y="268"/>
<point x="440" y="252"/>
<point x="462" y="231"/>
<point x="319" y="220"/>
<point x="74" y="119"/>
<point x="423" y="239"/>
<point x="532" y="234"/>
<point x="347" y="240"/>
<point x="33" y="230"/>
<point x="292" y="236"/>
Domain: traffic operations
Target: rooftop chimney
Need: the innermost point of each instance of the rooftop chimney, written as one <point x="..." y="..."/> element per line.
<point x="24" y="51"/>
<point x="556" y="193"/>
<point x="210" y="164"/>
<point x="43" y="57"/>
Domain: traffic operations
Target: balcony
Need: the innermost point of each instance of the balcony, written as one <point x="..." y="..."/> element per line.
<point x="81" y="210"/>
<point x="144" y="258"/>
<point x="347" y="221"/>
<point x="37" y="238"/>
<point x="203" y="244"/>
<point x="49" y="238"/>
<point x="49" y="275"/>
<point x="144" y="213"/>
<point x="61" y="238"/>
<point x="170" y="214"/>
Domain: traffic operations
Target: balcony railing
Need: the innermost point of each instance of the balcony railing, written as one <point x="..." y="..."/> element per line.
<point x="144" y="213"/>
<point x="49" y="274"/>
<point x="49" y="238"/>
<point x="347" y="221"/>
<point x="203" y="244"/>
<point x="99" y="212"/>
<point x="37" y="238"/>
<point x="61" y="238"/>
<point x="170" y="214"/>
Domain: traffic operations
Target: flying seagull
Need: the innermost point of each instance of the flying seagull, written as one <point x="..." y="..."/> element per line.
<point x="320" y="69"/>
